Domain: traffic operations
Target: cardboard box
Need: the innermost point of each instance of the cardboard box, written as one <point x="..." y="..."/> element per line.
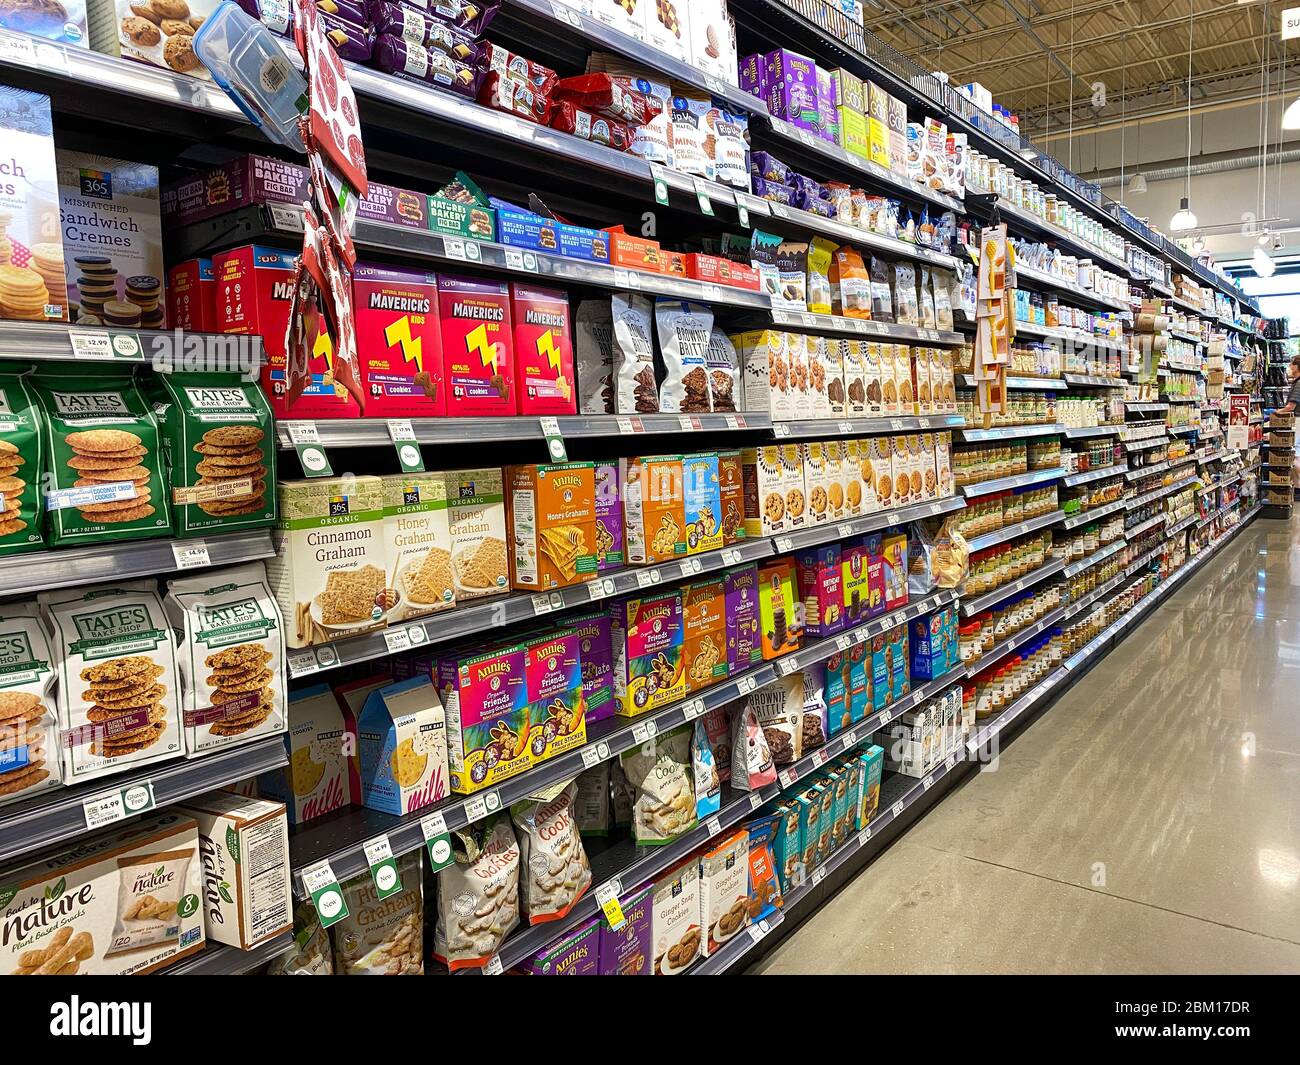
<point x="246" y="181"/>
<point x="902" y="477"/>
<point x="543" y="343"/>
<point x="473" y="221"/>
<point x="478" y="368"/>
<point x="476" y="519"/>
<point x="29" y="202"/>
<point x="724" y="890"/>
<point x="636" y="253"/>
<point x="872" y="768"/>
<point x="399" y="341"/>
<point x="766" y="373"/>
<point x="352" y="695"/>
<point x="647" y="636"/>
<point x="779" y="624"/>
<point x="929" y="653"/>
<point x="131" y="900"/>
<point x="794" y="485"/>
<point x="731" y="489"/>
<point x="610" y="552"/>
<point x="551" y="511"/>
<point x="792" y="89"/>
<point x="320" y="776"/>
<point x="417" y="543"/>
<point x="675" y="918"/>
<point x="821" y="587"/>
<point x="896" y="654"/>
<point x="654" y="509"/>
<point x="557" y="720"/>
<point x="894" y="552"/>
<point x="878" y="125"/>
<point x="192" y="296"/>
<point x="596" y="656"/>
<point x="740" y="588"/>
<point x="629" y="950"/>
<point x="576" y="953"/>
<point x="402" y="747"/>
<point x="64" y="22"/>
<point x="704" y="633"/>
<point x="702" y="503"/>
<point x="244" y="849"/>
<point x="485" y="700"/>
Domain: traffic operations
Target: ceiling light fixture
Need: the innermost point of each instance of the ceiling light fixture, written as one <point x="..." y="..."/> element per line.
<point x="1139" y="183"/>
<point x="1262" y="264"/>
<point x="1183" y="218"/>
<point x="1291" y="116"/>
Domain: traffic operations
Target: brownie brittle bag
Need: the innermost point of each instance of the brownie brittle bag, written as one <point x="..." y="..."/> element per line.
<point x="684" y="332"/>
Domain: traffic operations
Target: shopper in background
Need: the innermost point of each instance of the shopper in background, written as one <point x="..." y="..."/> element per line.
<point x="1292" y="403"/>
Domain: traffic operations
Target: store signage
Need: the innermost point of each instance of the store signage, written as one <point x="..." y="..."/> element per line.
<point x="1290" y="23"/>
<point x="1238" y="421"/>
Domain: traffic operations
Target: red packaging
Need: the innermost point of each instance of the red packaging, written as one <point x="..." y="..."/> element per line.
<point x="399" y="341"/>
<point x="568" y="117"/>
<point x="508" y="64"/>
<point x="604" y="94"/>
<point x="254" y="285"/>
<point x="543" y="350"/>
<point x="742" y="276"/>
<point x="721" y="271"/>
<point x="502" y="93"/>
<point x="192" y="296"/>
<point x="478" y="363"/>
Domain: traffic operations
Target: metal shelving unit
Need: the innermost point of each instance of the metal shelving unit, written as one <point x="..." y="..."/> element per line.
<point x="1117" y="470"/>
<point x="974" y="605"/>
<point x="1018" y="480"/>
<point x="1008" y="432"/>
<point x="1010" y="532"/>
<point x="1087" y="517"/>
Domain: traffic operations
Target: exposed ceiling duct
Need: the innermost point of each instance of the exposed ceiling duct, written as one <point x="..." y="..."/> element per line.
<point x="1234" y="161"/>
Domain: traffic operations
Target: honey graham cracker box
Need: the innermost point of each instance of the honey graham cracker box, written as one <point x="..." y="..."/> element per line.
<point x="102" y="457"/>
<point x="118" y="904"/>
<point x="476" y="518"/>
<point x="20" y="466"/>
<point x="217" y="440"/>
<point x="552" y="516"/>
<point x="417" y="541"/>
<point x="330" y="567"/>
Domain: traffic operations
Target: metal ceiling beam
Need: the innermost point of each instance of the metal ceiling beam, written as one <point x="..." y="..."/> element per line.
<point x="1042" y="45"/>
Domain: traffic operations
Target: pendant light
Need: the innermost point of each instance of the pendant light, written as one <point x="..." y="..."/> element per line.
<point x="1261" y="263"/>
<point x="1184" y="218"/>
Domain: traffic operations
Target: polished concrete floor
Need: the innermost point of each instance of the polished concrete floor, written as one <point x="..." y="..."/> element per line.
<point x="1148" y="822"/>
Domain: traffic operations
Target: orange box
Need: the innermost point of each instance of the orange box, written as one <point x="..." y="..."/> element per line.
<point x="634" y="252"/>
<point x="551" y="514"/>
<point x="654" y="508"/>
<point x="673" y="263"/>
<point x="704" y="635"/>
<point x="731" y="483"/>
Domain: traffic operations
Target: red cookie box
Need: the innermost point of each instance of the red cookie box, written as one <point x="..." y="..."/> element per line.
<point x="721" y="271"/>
<point x="399" y="341"/>
<point x="254" y="285"/>
<point x="192" y="296"/>
<point x="543" y="350"/>
<point x="478" y="362"/>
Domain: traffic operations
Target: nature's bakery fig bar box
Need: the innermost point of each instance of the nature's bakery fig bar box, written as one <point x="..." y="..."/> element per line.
<point x="118" y="904"/>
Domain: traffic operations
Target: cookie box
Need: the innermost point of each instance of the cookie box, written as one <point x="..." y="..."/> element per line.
<point x="780" y="628"/>
<point x="192" y="296"/>
<point x="647" y="636"/>
<point x="485" y="698"/>
<point x="478" y="368"/>
<point x="764" y="884"/>
<point x="576" y="953"/>
<point x="820" y="573"/>
<point x="786" y="842"/>
<point x="724" y="890"/>
<point x="702" y="503"/>
<point x="244" y="854"/>
<point x="320" y="776"/>
<point x="740" y="588"/>
<point x="626" y="951"/>
<point x="557" y="720"/>
<point x="609" y="517"/>
<point x="543" y="340"/>
<point x="402" y="747"/>
<point x="704" y="653"/>
<point x="675" y="918"/>
<point x="399" y="341"/>
<point x="872" y="766"/>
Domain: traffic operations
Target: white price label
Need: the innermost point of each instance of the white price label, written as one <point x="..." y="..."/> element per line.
<point x="786" y="666"/>
<point x="546" y="602"/>
<point x="843" y="642"/>
<point x="476" y="808"/>
<point x="819" y="759"/>
<point x="927" y="782"/>
<point x="712" y="292"/>
<point x="886" y="716"/>
<point x="397" y="640"/>
<point x="433" y="826"/>
<point x="685" y="424"/>
<point x="89" y="345"/>
<point x="755" y="801"/>
<point x="302" y="433"/>
<point x="590" y="757"/>
<point x="317" y="876"/>
<point x="780" y="429"/>
<point x="693" y="709"/>
<point x="601" y="588"/>
<point x="191" y="554"/>
<point x="731" y="421"/>
<point x="453" y="248"/>
<point x="864" y="836"/>
<point x="893" y="517"/>
<point x="119" y="804"/>
<point x="745" y="685"/>
<point x="788" y="777"/>
<point x="645" y="578"/>
<point x="400" y="429"/>
<point x="756" y="204"/>
<point x="640" y="734"/>
<point x="625" y="426"/>
<point x="302" y="663"/>
<point x="780" y="210"/>
<point x="493" y="966"/>
<point x="818" y="875"/>
<point x="377" y="850"/>
<point x="845" y="530"/>
<point x="784" y="544"/>
<point x="730" y="556"/>
<point x="897" y="808"/>
<point x="622" y="278"/>
<point x="714" y="826"/>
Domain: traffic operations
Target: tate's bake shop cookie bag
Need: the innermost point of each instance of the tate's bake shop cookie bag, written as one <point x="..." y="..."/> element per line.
<point x="230" y="638"/>
<point x="29" y="746"/>
<point x="20" y="467"/>
<point x="125" y="903"/>
<point x="118" y="685"/>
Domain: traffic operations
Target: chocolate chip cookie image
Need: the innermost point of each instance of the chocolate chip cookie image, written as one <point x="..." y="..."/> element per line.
<point x="178" y="53"/>
<point x="140" y="32"/>
<point x="127" y="709"/>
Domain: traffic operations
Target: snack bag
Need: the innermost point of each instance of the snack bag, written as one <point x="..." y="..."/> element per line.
<point x="29" y="744"/>
<point x="382" y="936"/>
<point x="684" y="333"/>
<point x="708" y="788"/>
<point x="724" y="370"/>
<point x="554" y="870"/>
<point x="821" y="252"/>
<point x="752" y="767"/>
<point x="20" y="454"/>
<point x="635" y="388"/>
<point x="660" y="771"/>
<point x="478" y="894"/>
<point x="594" y="355"/>
<point x="850" y="283"/>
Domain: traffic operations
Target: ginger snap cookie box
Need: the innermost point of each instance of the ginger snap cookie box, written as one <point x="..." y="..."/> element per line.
<point x="102" y="459"/>
<point x="31" y="256"/>
<point x="330" y="566"/>
<point x="218" y="443"/>
<point x="112" y="241"/>
<point x="118" y="683"/>
<point x="29" y="744"/>
<point x="20" y="467"/>
<point x="230" y="642"/>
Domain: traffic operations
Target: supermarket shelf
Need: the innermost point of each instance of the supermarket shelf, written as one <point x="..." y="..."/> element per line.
<point x="1179" y="526"/>
<point x="60" y="815"/>
<point x="1223" y="482"/>
<point x="1094" y="558"/>
<point x="824" y="427"/>
<point x="881" y="519"/>
<point x="1021" y="384"/>
<point x="1079" y="380"/>
<point x="1043" y="279"/>
<point x="1009" y="432"/>
<point x="1010" y="532"/>
<point x="1019" y="480"/>
<point x="990" y="730"/>
<point x="1019" y="218"/>
<point x="1145" y="408"/>
<point x="1079" y="605"/>
<point x="339" y="838"/>
<point x="1138" y="472"/>
<point x="841" y="326"/>
<point x="1145" y="444"/>
<point x="972" y="606"/>
<point x="807" y="221"/>
<point x="216" y="960"/>
<point x="1194" y="338"/>
<point x="1137" y="530"/>
<point x="1182" y="430"/>
<point x="1084" y="431"/>
<point x="1180" y="399"/>
<point x="38" y="570"/>
<point x="1144" y="559"/>
<point x="1095" y="475"/>
<point x="999" y="651"/>
<point x="61" y="342"/>
<point x="1217" y="456"/>
<point x="498" y="611"/>
<point x="1087" y="517"/>
<point x="374" y="432"/>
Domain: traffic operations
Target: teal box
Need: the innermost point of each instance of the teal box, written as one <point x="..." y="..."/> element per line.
<point x="880" y="670"/>
<point x="896" y="657"/>
<point x="580" y="242"/>
<point x="810" y="811"/>
<point x="785" y="846"/>
<point x="859" y="681"/>
<point x="872" y="767"/>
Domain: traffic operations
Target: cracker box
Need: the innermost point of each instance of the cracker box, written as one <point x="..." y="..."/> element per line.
<point x="553" y="679"/>
<point x="704" y="634"/>
<point x="218" y="441"/>
<point x="478" y="368"/>
<point x="826" y="817"/>
<point x="230" y="640"/>
<point x="119" y="689"/>
<point x="112" y="241"/>
<point x="675" y="918"/>
<point x="778" y="619"/>
<point x="417" y="543"/>
<point x="32" y="286"/>
<point x="118" y="904"/>
<point x="801" y="395"/>
<point x="254" y="286"/>
<point x="740" y="588"/>
<point x="399" y="341"/>
<point x="943" y="463"/>
<point x="794" y="485"/>
<point x="609" y="517"/>
<point x="712" y="39"/>
<point x="821" y="588"/>
<point x="647" y="637"/>
<point x="28" y="723"/>
<point x="894" y="553"/>
<point x="402" y="747"/>
<point x="320" y="776"/>
<point x="872" y="765"/>
<point x="543" y="343"/>
<point x="551" y="514"/>
<point x="20" y="430"/>
<point x="878" y="125"/>
<point x="702" y="503"/>
<point x="92" y="492"/>
<point x="485" y="698"/>
<point x="627" y="950"/>
<point x="330" y="570"/>
<point x="576" y="953"/>
<point x="764" y="488"/>
<point x="596" y="656"/>
<point x="654" y="508"/>
<point x="731" y="489"/>
<point x="897" y="119"/>
<point x="476" y="519"/>
<point x="724" y="890"/>
<point x="244" y="851"/>
<point x="877" y="471"/>
<point x="192" y="296"/>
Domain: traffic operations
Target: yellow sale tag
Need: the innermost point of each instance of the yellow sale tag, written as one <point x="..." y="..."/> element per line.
<point x="613" y="912"/>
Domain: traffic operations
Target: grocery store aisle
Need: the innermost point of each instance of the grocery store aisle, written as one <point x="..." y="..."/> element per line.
<point x="1148" y="822"/>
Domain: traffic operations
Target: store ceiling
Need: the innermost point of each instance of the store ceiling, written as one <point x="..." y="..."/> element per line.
<point x="1031" y="53"/>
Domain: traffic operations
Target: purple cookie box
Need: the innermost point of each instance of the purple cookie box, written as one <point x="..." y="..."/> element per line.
<point x="753" y="75"/>
<point x="609" y="512"/>
<point x="423" y="27"/>
<point x="596" y="658"/>
<point x="576" y="953"/>
<point x="630" y="946"/>
<point x="740" y="590"/>
<point x="792" y="92"/>
<point x="390" y="55"/>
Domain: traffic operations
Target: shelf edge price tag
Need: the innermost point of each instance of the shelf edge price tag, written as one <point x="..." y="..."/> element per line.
<point x="786" y="666"/>
<point x="397" y="640"/>
<point x="111" y="806"/>
<point x="660" y="180"/>
<point x="383" y="866"/>
<point x="693" y="709"/>
<point x="714" y="826"/>
<point x="437" y="841"/>
<point x="600" y="588"/>
<point x="402" y="434"/>
<point x="326" y="895"/>
<point x="898" y="807"/>
<point x="788" y="778"/>
<point x="818" y="875"/>
<point x="311" y="453"/>
<point x="607" y="896"/>
<point x="554" y="441"/>
<point x="493" y="966"/>
<point x="191" y="554"/>
<point x="703" y="197"/>
<point x="639" y="734"/>
<point x="730" y="556"/>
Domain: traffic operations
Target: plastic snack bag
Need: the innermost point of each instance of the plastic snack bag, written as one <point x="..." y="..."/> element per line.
<point x="850" y="283"/>
<point x="636" y="390"/>
<point x="752" y="767"/>
<point x="310" y="954"/>
<point x="882" y="303"/>
<point x="594" y="356"/>
<point x="662" y="777"/>
<point x="554" y="871"/>
<point x="478" y="894"/>
<point x="724" y="371"/>
<point x="382" y="937"/>
<point x="708" y="788"/>
<point x="684" y="332"/>
<point x="926" y="300"/>
<point x="820" y="254"/>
